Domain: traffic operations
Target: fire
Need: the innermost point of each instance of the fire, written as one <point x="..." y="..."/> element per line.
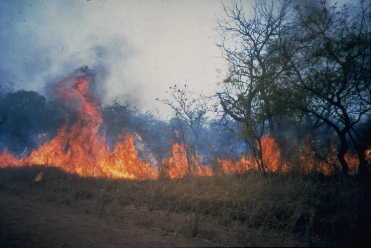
<point x="81" y="148"/>
<point x="178" y="165"/>
<point x="271" y="155"/>
<point x="124" y="162"/>
<point x="271" y="158"/>
<point x="310" y="162"/>
<point x="6" y="158"/>
<point x="229" y="166"/>
<point x="368" y="155"/>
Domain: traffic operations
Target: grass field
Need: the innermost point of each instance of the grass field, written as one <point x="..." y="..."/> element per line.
<point x="239" y="210"/>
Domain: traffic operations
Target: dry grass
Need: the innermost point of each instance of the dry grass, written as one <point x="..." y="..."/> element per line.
<point x="285" y="210"/>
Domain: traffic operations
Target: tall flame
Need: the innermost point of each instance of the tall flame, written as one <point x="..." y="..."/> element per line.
<point x="271" y="159"/>
<point x="80" y="148"/>
<point x="179" y="165"/>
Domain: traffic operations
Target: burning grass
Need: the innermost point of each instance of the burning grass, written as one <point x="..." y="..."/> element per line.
<point x="80" y="148"/>
<point x="228" y="202"/>
<point x="245" y="209"/>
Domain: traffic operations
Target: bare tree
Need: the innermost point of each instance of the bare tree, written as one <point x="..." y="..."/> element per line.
<point x="249" y="94"/>
<point x="190" y="110"/>
<point x="291" y="59"/>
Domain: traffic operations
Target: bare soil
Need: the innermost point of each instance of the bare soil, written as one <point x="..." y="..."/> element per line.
<point x="27" y="223"/>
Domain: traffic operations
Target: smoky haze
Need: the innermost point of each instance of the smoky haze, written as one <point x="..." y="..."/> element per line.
<point x="142" y="46"/>
<point x="133" y="51"/>
<point x="28" y="119"/>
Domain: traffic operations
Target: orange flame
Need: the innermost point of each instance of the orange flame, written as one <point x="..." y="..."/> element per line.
<point x="178" y="165"/>
<point x="271" y="158"/>
<point x="309" y="162"/>
<point x="6" y="158"/>
<point x="229" y="166"/>
<point x="79" y="148"/>
<point x="271" y="155"/>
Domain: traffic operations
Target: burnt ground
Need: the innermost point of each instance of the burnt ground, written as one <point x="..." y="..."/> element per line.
<point x="26" y="223"/>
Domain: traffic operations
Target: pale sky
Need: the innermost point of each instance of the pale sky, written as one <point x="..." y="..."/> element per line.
<point x="144" y="46"/>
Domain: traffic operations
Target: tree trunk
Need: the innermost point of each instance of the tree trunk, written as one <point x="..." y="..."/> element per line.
<point x="190" y="155"/>
<point x="341" y="153"/>
<point x="259" y="156"/>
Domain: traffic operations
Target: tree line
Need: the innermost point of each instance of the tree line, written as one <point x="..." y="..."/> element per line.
<point x="307" y="61"/>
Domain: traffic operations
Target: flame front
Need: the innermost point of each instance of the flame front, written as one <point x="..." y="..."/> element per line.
<point x="271" y="159"/>
<point x="80" y="148"/>
<point x="181" y="164"/>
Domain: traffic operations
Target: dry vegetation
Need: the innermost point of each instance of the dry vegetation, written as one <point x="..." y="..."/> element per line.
<point x="248" y="209"/>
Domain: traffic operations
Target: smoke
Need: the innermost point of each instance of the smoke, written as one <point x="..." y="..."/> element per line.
<point x="144" y="46"/>
<point x="27" y="120"/>
<point x="42" y="41"/>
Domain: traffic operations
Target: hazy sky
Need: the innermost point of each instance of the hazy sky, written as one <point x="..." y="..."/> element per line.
<point x="143" y="46"/>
